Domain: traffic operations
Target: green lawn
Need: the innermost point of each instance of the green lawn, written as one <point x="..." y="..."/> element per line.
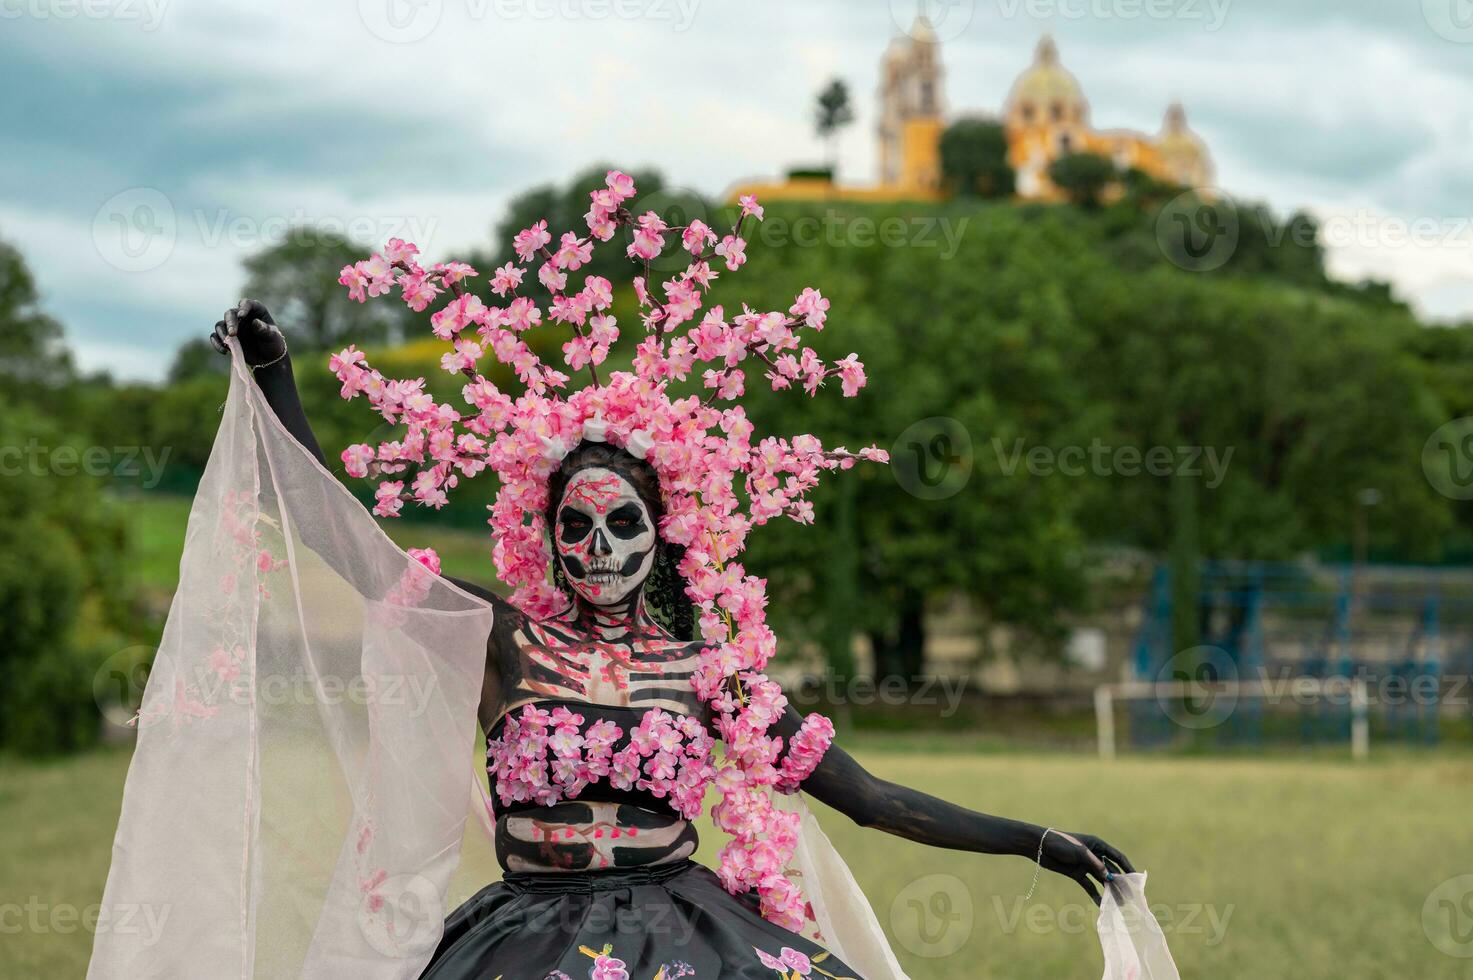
<point x="1267" y="869"/>
<point x="1287" y="867"/>
<point x="157" y="523"/>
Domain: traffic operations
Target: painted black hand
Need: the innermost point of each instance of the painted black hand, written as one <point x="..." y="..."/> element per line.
<point x="260" y="338"/>
<point x="1081" y="857"/>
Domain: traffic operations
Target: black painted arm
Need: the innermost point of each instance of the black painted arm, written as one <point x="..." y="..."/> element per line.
<point x="279" y="386"/>
<point x="842" y="783"/>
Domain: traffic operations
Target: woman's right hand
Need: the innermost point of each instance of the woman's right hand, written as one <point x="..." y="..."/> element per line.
<point x="250" y="323"/>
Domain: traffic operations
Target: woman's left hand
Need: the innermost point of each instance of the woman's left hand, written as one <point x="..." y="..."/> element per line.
<point x="1082" y="857"/>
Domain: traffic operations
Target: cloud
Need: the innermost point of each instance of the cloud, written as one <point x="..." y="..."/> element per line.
<point x="246" y="117"/>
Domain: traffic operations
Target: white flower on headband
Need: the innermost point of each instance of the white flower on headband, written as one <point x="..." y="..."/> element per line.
<point x="595" y="429"/>
<point x="554" y="450"/>
<point x="639" y="444"/>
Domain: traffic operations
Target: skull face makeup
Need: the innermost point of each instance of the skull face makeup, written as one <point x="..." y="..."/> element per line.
<point x="605" y="537"/>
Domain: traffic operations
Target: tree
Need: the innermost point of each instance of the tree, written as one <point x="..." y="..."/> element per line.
<point x="63" y="550"/>
<point x="1316" y="397"/>
<point x="1144" y="192"/>
<point x="974" y="158"/>
<point x="196" y="357"/>
<point x="832" y="114"/>
<point x="33" y="355"/>
<point x="297" y="279"/>
<point x="1083" y="177"/>
<point x="979" y="357"/>
<point x="63" y="561"/>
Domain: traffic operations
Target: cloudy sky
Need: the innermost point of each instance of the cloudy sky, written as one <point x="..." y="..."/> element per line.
<point x="151" y="144"/>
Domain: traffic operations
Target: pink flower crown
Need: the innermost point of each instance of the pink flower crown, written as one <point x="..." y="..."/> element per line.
<point x="701" y="448"/>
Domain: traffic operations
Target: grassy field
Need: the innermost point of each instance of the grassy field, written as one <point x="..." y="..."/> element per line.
<point x="1262" y="869"/>
<point x="1296" y="867"/>
<point x="157" y="522"/>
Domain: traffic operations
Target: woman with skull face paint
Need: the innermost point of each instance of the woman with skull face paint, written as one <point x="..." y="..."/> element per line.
<point x="607" y="681"/>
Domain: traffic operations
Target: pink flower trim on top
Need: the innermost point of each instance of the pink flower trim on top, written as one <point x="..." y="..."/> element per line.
<point x="545" y="756"/>
<point x="806" y="751"/>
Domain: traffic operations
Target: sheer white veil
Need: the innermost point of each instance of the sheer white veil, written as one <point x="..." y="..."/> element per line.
<point x="306" y="760"/>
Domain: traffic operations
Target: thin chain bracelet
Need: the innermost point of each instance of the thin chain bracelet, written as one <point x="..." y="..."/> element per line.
<point x="1038" y="863"/>
<point x="277" y="360"/>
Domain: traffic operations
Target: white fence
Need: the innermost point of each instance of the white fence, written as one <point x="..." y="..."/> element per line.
<point x="1217" y="693"/>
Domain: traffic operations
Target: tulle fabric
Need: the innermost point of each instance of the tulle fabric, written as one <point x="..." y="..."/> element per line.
<point x="306" y="755"/>
<point x="298" y="793"/>
<point x="843" y="920"/>
<point x="1134" y="945"/>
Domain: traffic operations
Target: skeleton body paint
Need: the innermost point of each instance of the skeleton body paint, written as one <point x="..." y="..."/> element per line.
<point x="605" y="651"/>
<point x="592" y="836"/>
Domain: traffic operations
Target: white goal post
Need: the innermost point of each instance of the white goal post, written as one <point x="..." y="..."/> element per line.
<point x="1352" y="690"/>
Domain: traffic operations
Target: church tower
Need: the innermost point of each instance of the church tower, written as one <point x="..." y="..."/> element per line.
<point x="1184" y="156"/>
<point x="911" y="110"/>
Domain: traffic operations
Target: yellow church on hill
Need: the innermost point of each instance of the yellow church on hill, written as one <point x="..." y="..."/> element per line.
<point x="1045" y="116"/>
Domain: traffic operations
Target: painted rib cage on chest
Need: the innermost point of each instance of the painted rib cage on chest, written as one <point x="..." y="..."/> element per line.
<point x="614" y="665"/>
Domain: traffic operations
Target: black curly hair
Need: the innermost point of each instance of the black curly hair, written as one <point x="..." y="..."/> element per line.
<point x="664" y="590"/>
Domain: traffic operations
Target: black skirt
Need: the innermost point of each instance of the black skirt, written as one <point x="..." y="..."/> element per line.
<point x="664" y="922"/>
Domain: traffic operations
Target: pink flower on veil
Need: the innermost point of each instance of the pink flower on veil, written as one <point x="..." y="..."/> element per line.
<point x="426" y="557"/>
<point x="370" y="886"/>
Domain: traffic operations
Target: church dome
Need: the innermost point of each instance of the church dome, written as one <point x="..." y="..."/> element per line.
<point x="1047" y="93"/>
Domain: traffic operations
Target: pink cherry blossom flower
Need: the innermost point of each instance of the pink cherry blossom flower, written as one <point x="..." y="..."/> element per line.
<point x="734" y="251"/>
<point x="506" y="279"/>
<point x="356" y="459"/>
<point x="812" y="307"/>
<point x="851" y="375"/>
<point x="528" y="241"/>
<point x="622" y="185"/>
<point x="522" y="314"/>
<point x="399" y="251"/>
<point x="389" y="500"/>
<point x="552" y="280"/>
<point x="697" y="237"/>
<point x="356" y="280"/>
<point x="419" y="292"/>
